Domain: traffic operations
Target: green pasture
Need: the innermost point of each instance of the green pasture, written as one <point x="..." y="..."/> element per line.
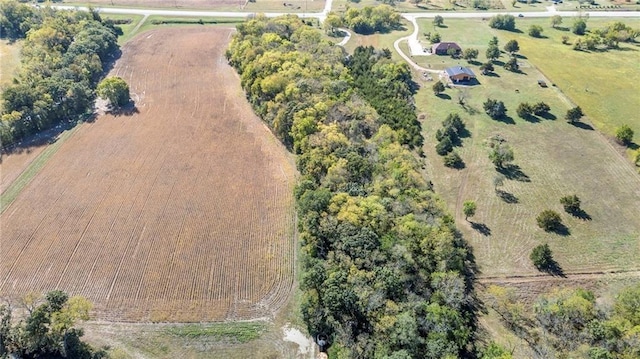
<point x="554" y="158"/>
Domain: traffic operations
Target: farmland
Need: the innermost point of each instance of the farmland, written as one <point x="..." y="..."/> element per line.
<point x="179" y="212"/>
<point x="555" y="159"/>
<point x="220" y="5"/>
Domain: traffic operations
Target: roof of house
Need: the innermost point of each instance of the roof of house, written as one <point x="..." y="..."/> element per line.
<point x="446" y="46"/>
<point x="459" y="70"/>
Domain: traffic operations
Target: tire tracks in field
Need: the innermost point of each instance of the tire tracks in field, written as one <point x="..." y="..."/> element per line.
<point x="591" y="275"/>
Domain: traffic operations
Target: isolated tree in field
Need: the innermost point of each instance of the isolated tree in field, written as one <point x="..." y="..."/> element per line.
<point x="624" y="134"/>
<point x="535" y="31"/>
<point x="498" y="181"/>
<point x="511" y="46"/>
<point x="453" y="160"/>
<point x="542" y="257"/>
<point x="444" y="146"/>
<point x="574" y="114"/>
<point x="438" y="88"/>
<point x="556" y="20"/>
<point x="438" y="21"/>
<point x="487" y="68"/>
<point x="493" y="42"/>
<point x="512" y="65"/>
<point x="470" y="54"/>
<point x="541" y="109"/>
<point x="524" y="110"/>
<point x="469" y="209"/>
<point x="434" y="38"/>
<point x="579" y="27"/>
<point x="501" y="154"/>
<point x="494" y="108"/>
<point x="549" y="220"/>
<point x="114" y="89"/>
<point x="571" y="204"/>
<point x="492" y="53"/>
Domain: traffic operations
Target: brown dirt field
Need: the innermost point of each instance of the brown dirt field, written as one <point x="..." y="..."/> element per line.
<point x="181" y="212"/>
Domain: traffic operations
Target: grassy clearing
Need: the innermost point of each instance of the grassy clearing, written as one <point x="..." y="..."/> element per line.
<point x="127" y="29"/>
<point x="9" y="61"/>
<point x="379" y="41"/>
<point x="237" y="332"/>
<point x="156" y="22"/>
<point x="555" y="158"/>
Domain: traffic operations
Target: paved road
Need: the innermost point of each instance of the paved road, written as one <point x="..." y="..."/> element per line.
<point x="322" y="15"/>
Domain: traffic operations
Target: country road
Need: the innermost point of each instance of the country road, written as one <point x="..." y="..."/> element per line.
<point x="322" y="15"/>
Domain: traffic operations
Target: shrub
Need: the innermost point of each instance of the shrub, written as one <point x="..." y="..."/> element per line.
<point x="549" y="220"/>
<point x="453" y="160"/>
<point x="445" y="146"/>
<point x="624" y="134"/>
<point x="494" y="108"/>
<point x="512" y="65"/>
<point x="438" y="87"/>
<point x="503" y="22"/>
<point x="574" y="114"/>
<point x="524" y="110"/>
<point x="540" y="109"/>
<point x="571" y="204"/>
<point x="542" y="257"/>
<point x="579" y="27"/>
<point x="535" y="31"/>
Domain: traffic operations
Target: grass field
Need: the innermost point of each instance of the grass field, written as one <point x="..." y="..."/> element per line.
<point x="9" y="62"/>
<point x="181" y="212"/>
<point x="555" y="158"/>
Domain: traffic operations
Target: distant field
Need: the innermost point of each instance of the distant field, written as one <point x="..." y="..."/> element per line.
<point x="558" y="159"/>
<point x="181" y="212"/>
<point x="220" y="5"/>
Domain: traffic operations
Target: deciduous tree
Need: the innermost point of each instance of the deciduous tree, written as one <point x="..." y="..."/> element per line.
<point x="438" y="21"/>
<point x="469" y="209"/>
<point x="624" y="134"/>
<point x="549" y="220"/>
<point x="492" y="53"/>
<point x="114" y="89"/>
<point x="579" y="27"/>
<point x="470" y="54"/>
<point x="556" y="20"/>
<point x="511" y="46"/>
<point x="494" y="108"/>
<point x="574" y="114"/>
<point x="438" y="87"/>
<point x="542" y="257"/>
<point x="535" y="31"/>
<point x="571" y="204"/>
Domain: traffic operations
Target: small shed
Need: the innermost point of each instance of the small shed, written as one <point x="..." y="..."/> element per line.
<point x="459" y="74"/>
<point x="442" y="48"/>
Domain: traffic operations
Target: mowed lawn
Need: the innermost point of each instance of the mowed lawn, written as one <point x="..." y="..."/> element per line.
<point x="554" y="157"/>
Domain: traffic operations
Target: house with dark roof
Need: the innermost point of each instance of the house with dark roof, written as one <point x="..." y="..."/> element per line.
<point x="442" y="48"/>
<point x="459" y="74"/>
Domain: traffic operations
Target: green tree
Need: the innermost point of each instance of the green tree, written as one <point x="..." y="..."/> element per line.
<point x="511" y="46"/>
<point x="486" y="68"/>
<point x="571" y="204"/>
<point x="498" y="181"/>
<point x="627" y="305"/>
<point x="493" y="41"/>
<point x="444" y="146"/>
<point x="453" y="160"/>
<point x="579" y="27"/>
<point x="453" y="52"/>
<point x="524" y="110"/>
<point x="541" y="109"/>
<point x="114" y="89"/>
<point x="438" y="88"/>
<point x="624" y="134"/>
<point x="549" y="220"/>
<point x="469" y="209"/>
<point x="495" y="351"/>
<point x="501" y="154"/>
<point x="503" y="22"/>
<point x="492" y="53"/>
<point x="470" y="54"/>
<point x="332" y="22"/>
<point x="556" y="20"/>
<point x="574" y="114"/>
<point x="434" y="38"/>
<point x="542" y="257"/>
<point x="535" y="31"/>
<point x="438" y="21"/>
<point x="494" y="108"/>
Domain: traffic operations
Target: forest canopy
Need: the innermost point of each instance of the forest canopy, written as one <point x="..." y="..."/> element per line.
<point x="64" y="55"/>
<point x="385" y="272"/>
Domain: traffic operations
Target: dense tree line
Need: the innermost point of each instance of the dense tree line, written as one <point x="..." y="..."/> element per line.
<point x="48" y="331"/>
<point x="385" y="274"/>
<point x="367" y="20"/>
<point x="63" y="57"/>
<point x="570" y="323"/>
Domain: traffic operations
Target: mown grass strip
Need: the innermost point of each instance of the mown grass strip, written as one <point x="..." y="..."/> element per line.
<point x="12" y="192"/>
<point x="235" y="332"/>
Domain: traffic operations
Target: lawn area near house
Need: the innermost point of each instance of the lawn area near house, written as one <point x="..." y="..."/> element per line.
<point x="553" y="158"/>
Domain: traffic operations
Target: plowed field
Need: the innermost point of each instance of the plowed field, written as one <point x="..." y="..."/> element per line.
<point x="181" y="212"/>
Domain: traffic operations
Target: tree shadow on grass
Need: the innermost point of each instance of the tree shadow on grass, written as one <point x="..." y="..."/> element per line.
<point x="553" y="268"/>
<point x="633" y="146"/>
<point x="507" y="197"/>
<point x="560" y="229"/>
<point x="582" y="125"/>
<point x="481" y="228"/>
<point x="548" y="116"/>
<point x="491" y="74"/>
<point x="531" y="119"/>
<point x="506" y="119"/>
<point x="581" y="214"/>
<point x="443" y="96"/>
<point x="514" y="172"/>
